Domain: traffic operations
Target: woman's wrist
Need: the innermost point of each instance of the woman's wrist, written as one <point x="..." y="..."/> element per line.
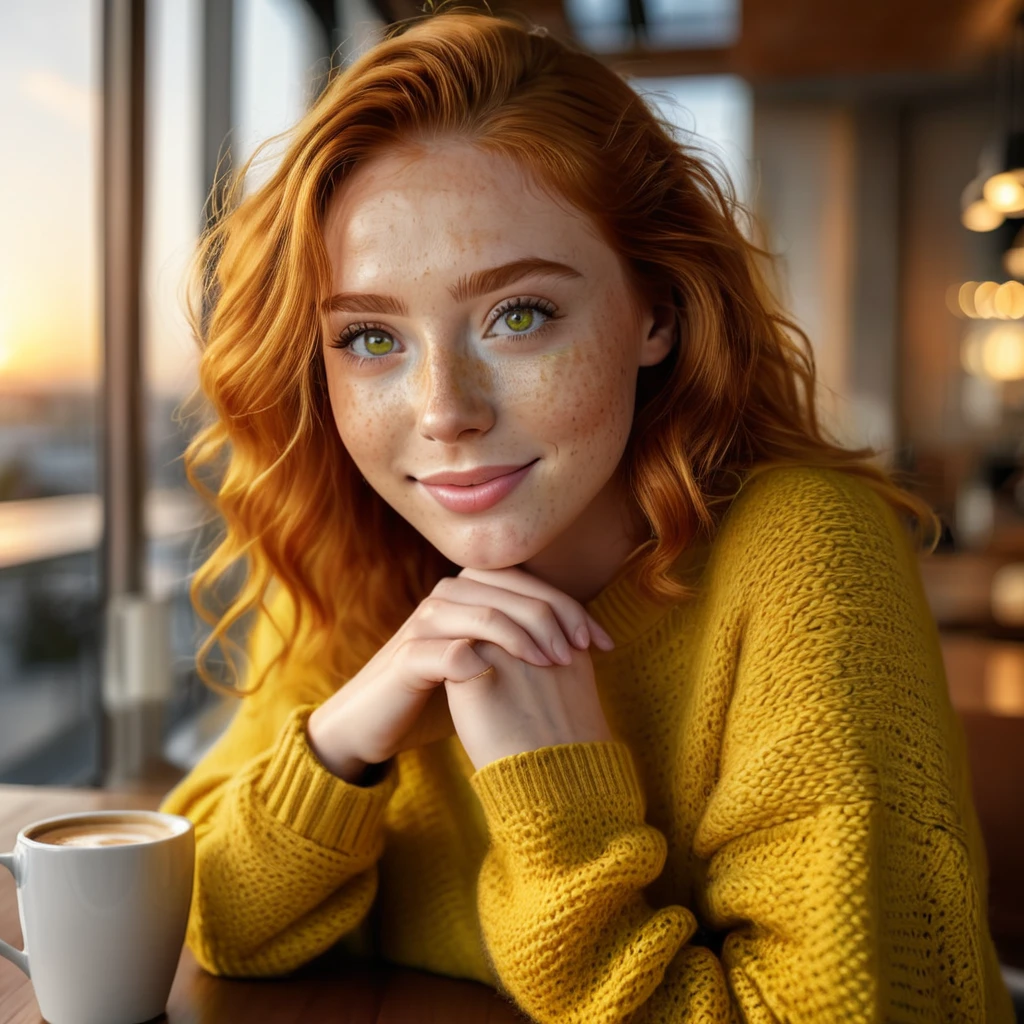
<point x="345" y="766"/>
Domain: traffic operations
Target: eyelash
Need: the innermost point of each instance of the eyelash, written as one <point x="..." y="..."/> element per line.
<point x="350" y="333"/>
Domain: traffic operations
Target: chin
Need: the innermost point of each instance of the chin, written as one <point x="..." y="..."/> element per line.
<point x="484" y="554"/>
<point x="474" y="560"/>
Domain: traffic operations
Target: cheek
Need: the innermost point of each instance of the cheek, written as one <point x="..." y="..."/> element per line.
<point x="363" y="419"/>
<point x="584" y="395"/>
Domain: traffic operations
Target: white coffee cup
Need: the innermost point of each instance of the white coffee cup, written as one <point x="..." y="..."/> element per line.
<point x="103" y="925"/>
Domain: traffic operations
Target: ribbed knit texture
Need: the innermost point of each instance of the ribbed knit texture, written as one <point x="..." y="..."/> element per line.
<point x="781" y="829"/>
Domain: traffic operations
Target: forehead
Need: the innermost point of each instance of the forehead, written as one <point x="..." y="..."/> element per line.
<point x="438" y="206"/>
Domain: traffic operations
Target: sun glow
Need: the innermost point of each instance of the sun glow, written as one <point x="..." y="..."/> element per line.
<point x="45" y="343"/>
<point x="6" y="347"/>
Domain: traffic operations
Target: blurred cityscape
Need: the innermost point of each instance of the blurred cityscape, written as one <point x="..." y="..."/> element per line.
<point x="50" y="601"/>
<point x="48" y="444"/>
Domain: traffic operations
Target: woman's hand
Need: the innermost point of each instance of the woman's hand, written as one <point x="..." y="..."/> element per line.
<point x="396" y="701"/>
<point x="520" y="707"/>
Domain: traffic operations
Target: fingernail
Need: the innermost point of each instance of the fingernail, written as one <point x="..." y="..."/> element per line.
<point x="582" y="638"/>
<point x="606" y="641"/>
<point x="561" y="649"/>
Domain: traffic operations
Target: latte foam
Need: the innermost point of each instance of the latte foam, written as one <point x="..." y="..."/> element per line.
<point x="102" y="833"/>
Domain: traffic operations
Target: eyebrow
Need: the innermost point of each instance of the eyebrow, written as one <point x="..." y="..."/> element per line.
<point x="479" y="283"/>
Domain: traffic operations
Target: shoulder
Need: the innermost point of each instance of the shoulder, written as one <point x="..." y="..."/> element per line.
<point x="803" y="529"/>
<point x="783" y="511"/>
<point x="788" y="500"/>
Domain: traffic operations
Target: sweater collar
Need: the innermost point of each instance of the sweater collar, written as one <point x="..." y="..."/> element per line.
<point x="621" y="608"/>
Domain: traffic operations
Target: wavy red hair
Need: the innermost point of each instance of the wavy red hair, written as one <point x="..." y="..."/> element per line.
<point x="736" y="397"/>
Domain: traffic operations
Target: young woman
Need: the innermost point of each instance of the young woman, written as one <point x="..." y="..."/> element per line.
<point x="583" y="663"/>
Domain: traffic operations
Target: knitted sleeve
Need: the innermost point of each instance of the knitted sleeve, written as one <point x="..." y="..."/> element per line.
<point x="286" y="852"/>
<point x="840" y="869"/>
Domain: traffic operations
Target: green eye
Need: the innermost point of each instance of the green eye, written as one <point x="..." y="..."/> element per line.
<point x="377" y="341"/>
<point x="375" y="338"/>
<point x="519" y="319"/>
<point x="520" y="315"/>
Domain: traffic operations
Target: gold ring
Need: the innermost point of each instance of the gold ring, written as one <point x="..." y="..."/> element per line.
<point x="490" y="668"/>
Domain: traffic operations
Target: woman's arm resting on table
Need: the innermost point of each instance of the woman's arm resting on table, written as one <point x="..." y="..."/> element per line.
<point x="844" y="870"/>
<point x="286" y="852"/>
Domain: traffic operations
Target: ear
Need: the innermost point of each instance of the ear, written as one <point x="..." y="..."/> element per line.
<point x="661" y="326"/>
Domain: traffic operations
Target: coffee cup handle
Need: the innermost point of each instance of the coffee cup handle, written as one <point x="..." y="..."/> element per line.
<point x="16" y="956"/>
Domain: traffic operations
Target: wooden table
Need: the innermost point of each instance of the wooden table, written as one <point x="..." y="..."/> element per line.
<point x="326" y="990"/>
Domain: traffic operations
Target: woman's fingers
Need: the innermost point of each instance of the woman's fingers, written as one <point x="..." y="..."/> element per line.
<point x="426" y="663"/>
<point x="439" y="617"/>
<point x="569" y="613"/>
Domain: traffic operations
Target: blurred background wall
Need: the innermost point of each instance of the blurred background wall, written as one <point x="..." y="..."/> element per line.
<point x="860" y="133"/>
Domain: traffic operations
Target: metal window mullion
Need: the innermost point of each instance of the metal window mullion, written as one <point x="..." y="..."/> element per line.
<point x="136" y="674"/>
<point x="124" y="42"/>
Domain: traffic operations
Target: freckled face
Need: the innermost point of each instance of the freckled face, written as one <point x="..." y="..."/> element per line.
<point x="543" y="368"/>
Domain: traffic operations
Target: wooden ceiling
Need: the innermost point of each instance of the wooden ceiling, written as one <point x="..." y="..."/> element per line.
<point x="812" y="38"/>
<point x="794" y="39"/>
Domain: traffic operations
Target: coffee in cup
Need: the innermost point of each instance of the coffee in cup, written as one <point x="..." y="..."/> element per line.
<point x="103" y="832"/>
<point x="104" y="898"/>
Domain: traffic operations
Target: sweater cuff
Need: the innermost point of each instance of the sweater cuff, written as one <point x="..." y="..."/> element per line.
<point x="567" y="778"/>
<point x="301" y="793"/>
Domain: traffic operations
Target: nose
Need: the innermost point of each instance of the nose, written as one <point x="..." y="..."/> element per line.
<point x="455" y="395"/>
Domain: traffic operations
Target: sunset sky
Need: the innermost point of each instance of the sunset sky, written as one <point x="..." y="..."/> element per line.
<point x="48" y="281"/>
<point x="49" y="198"/>
<point x="49" y="186"/>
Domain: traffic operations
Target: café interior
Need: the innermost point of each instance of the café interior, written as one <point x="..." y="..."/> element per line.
<point x="880" y="145"/>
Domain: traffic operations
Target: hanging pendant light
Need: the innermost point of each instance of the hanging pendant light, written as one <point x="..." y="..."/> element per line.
<point x="1004" y="187"/>
<point x="976" y="213"/>
<point x="1004" y="190"/>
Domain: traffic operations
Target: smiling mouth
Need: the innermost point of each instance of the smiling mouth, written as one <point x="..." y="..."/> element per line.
<point x="474" y="498"/>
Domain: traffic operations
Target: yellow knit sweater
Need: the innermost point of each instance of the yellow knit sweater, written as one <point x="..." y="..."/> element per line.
<point x="781" y="830"/>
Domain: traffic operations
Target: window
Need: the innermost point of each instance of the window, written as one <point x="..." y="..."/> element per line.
<point x="606" y="25"/>
<point x="49" y="366"/>
<point x="51" y="514"/>
<point x="713" y="113"/>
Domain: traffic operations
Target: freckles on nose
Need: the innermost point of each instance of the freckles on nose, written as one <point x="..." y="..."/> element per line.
<point x="455" y="374"/>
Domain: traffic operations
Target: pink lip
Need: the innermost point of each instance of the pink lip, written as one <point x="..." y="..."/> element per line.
<point x="478" y="497"/>
<point x="471" y="477"/>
